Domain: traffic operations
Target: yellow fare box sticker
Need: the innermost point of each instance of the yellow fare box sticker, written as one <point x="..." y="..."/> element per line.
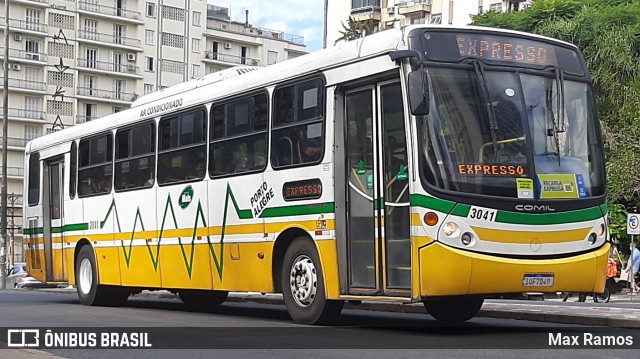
<point x="557" y="185"/>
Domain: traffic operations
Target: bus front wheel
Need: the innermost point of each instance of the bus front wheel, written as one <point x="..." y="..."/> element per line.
<point x="303" y="285"/>
<point x="454" y="309"/>
<point x="89" y="292"/>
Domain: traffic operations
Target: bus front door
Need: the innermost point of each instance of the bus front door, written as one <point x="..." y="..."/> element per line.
<point x="55" y="261"/>
<point x="377" y="193"/>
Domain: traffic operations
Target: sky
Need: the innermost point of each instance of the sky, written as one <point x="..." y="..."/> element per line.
<point x="297" y="17"/>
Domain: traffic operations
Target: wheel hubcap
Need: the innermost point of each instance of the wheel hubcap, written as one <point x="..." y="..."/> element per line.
<point x="85" y="276"/>
<point x="303" y="280"/>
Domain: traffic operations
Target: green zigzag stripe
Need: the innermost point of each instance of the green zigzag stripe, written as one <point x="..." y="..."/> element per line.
<point x="155" y="259"/>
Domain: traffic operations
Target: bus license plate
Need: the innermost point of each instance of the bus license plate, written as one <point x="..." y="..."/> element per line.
<point x="537" y="280"/>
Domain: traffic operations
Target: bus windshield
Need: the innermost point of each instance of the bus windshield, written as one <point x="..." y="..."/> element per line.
<point x="511" y="134"/>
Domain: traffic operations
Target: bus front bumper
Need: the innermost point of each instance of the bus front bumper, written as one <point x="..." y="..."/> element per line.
<point x="448" y="271"/>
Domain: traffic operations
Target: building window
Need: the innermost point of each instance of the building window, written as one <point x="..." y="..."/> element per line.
<point x="92" y="58"/>
<point x="151" y="9"/>
<point x="172" y="40"/>
<point x="172" y="13"/>
<point x="182" y="147"/>
<point x="196" y="18"/>
<point x="148" y="63"/>
<point x="33" y="107"/>
<point x="90" y="112"/>
<point x="33" y="20"/>
<point x="119" y="88"/>
<point x="195" y="71"/>
<point x="272" y="57"/>
<point x="117" y="109"/>
<point x="90" y="29"/>
<point x="148" y="88"/>
<point x="149" y="35"/>
<point x="298" y="125"/>
<point x="119" y="34"/>
<point x="95" y="168"/>
<point x="195" y="45"/>
<point x="31" y="132"/>
<point x="174" y="67"/>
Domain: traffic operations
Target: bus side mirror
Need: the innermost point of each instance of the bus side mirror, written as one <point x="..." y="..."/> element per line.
<point x="419" y="93"/>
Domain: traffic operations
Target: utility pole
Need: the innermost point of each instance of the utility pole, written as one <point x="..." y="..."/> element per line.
<point x="4" y="242"/>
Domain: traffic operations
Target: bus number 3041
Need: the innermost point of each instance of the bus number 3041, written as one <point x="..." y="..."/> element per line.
<point x="483" y="214"/>
<point x="94" y="224"/>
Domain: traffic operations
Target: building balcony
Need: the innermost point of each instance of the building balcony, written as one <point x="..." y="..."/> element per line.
<point x="13" y="172"/>
<point x="26" y="85"/>
<point x="36" y="3"/>
<point x="28" y="56"/>
<point x="126" y="70"/>
<point x="362" y="10"/>
<point x="110" y="12"/>
<point x="216" y="57"/>
<point x="16" y="142"/>
<point x="85" y="118"/>
<point x="412" y="7"/>
<point x="109" y="39"/>
<point x="237" y="29"/>
<point x="29" y="27"/>
<point x="108" y="96"/>
<point x="26" y="115"/>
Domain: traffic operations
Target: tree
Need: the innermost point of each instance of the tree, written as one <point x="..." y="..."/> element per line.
<point x="608" y="33"/>
<point x="357" y="29"/>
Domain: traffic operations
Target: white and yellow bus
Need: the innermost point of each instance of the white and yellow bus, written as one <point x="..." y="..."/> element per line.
<point x="423" y="164"/>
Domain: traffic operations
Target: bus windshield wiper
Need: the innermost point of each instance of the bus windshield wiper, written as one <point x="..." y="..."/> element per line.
<point x="558" y="123"/>
<point x="493" y="124"/>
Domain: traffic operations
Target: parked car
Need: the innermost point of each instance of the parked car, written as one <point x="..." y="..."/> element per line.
<point x="19" y="278"/>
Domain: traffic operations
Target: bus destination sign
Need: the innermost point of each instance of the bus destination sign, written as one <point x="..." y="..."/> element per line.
<point x="509" y="49"/>
<point x="306" y="189"/>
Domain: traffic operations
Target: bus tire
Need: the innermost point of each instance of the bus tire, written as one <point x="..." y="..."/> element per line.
<point x="202" y="299"/>
<point x="303" y="285"/>
<point x="454" y="309"/>
<point x="89" y="292"/>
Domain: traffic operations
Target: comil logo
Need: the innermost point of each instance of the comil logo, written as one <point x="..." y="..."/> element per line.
<point x="23" y="338"/>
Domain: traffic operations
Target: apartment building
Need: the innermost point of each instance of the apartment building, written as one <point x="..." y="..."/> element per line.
<point x="394" y="13"/>
<point x="74" y="61"/>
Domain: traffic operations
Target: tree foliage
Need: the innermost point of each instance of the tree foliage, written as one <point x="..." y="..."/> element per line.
<point x="357" y="29"/>
<point x="608" y="33"/>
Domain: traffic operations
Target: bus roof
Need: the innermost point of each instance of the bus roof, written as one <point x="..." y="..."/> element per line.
<point x="244" y="78"/>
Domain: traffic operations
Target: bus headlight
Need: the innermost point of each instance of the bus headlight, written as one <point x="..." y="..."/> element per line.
<point x="450" y="229"/>
<point x="467" y="238"/>
<point x="601" y="230"/>
<point x="592" y="239"/>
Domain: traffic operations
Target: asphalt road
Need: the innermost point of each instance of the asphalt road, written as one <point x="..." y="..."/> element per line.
<point x="252" y="330"/>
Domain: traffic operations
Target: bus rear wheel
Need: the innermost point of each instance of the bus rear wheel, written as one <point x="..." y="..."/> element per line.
<point x="454" y="309"/>
<point x="303" y="285"/>
<point x="89" y="291"/>
<point x="202" y="299"/>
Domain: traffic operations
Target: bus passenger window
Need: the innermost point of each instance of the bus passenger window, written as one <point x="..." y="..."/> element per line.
<point x="298" y="128"/>
<point x="95" y="170"/>
<point x="183" y="142"/>
<point x="239" y="136"/>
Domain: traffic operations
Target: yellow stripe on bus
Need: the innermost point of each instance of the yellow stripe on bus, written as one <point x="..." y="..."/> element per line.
<point x="524" y="237"/>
